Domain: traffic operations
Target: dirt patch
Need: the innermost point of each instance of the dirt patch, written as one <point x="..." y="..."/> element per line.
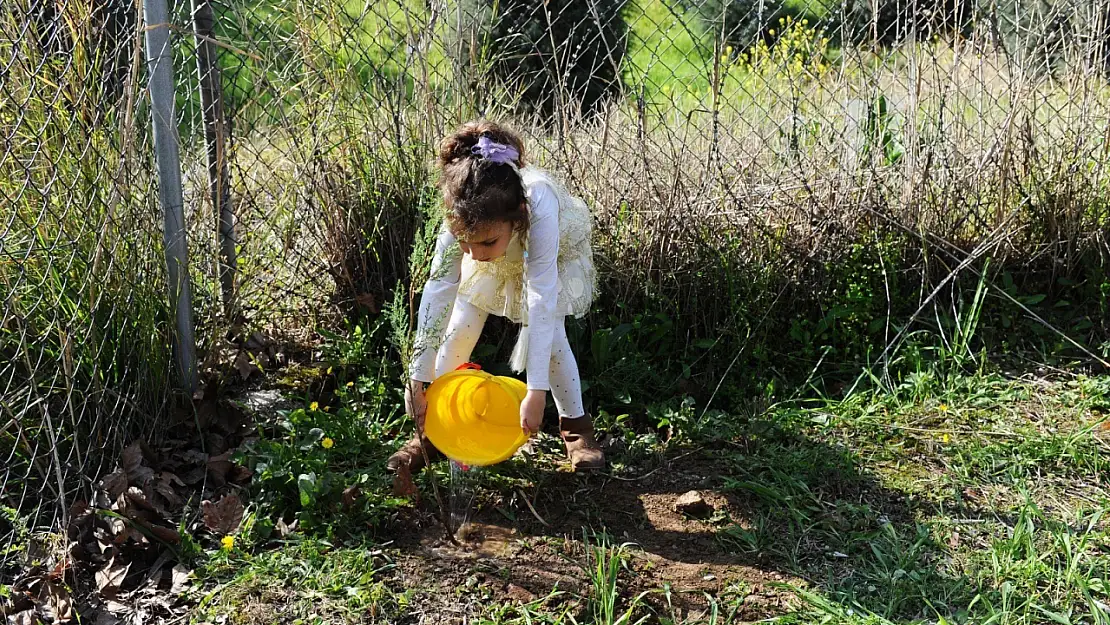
<point x="544" y="552"/>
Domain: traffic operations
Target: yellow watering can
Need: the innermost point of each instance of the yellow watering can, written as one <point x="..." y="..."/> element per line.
<point x="474" y="417"/>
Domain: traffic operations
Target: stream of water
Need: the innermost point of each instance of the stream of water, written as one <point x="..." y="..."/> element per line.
<point x="460" y="499"/>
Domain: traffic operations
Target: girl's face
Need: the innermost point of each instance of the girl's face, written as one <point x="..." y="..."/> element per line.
<point x="487" y="242"/>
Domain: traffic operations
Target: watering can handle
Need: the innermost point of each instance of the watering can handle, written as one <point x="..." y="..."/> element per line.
<point x="469" y="365"/>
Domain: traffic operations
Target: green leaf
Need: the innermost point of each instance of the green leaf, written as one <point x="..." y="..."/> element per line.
<point x="306" y="485"/>
<point x="1033" y="300"/>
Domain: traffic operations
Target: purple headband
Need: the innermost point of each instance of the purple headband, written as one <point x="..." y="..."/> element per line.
<point x="496" y="152"/>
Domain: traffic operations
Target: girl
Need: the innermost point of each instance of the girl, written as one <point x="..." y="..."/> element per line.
<point x="514" y="244"/>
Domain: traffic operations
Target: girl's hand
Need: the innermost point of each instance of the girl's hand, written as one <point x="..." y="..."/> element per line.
<point x="531" y="411"/>
<point x="416" y="404"/>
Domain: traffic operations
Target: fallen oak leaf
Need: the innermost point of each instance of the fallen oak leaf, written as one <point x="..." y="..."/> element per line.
<point x="166" y="534"/>
<point x="219" y="467"/>
<point x="166" y="490"/>
<point x="351" y="495"/>
<point x="241" y="474"/>
<point x="138" y="497"/>
<point x="110" y="578"/>
<point x="114" y="484"/>
<point x="54" y="601"/>
<point x="224" y="516"/>
<point x="131" y="458"/>
<point x="180" y="578"/>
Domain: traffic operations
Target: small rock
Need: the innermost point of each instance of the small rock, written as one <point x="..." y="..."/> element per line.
<point x="516" y="593"/>
<point x="693" y="504"/>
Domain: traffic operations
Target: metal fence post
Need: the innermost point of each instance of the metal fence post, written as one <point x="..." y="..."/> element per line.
<point x="160" y="64"/>
<point x="215" y="139"/>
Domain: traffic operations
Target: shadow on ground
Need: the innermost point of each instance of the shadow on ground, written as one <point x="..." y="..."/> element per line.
<point x="784" y="509"/>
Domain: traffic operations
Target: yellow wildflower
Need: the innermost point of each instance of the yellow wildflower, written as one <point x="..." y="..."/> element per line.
<point x="350" y="384"/>
<point x="728" y="50"/>
<point x="329" y="370"/>
<point x="943" y="407"/>
<point x="946" y="439"/>
<point x="327" y="443"/>
<point x="771" y="32"/>
<point x="227" y="542"/>
<point x="314" y="406"/>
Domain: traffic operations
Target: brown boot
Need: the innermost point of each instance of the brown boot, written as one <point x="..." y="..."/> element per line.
<point x="409" y="459"/>
<point x="584" y="452"/>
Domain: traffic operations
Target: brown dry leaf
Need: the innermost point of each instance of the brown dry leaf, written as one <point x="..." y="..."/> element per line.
<point x="351" y="495"/>
<point x="131" y="458"/>
<point x="244" y="364"/>
<point x="283" y="529"/>
<point x="224" y="516"/>
<point x="141" y="476"/>
<point x="241" y="474"/>
<point x="114" y="484"/>
<point x="195" y="476"/>
<point x="180" y="579"/>
<point x="110" y="578"/>
<point x="116" y="607"/>
<point x="219" y="467"/>
<point x="116" y="526"/>
<point x="166" y="534"/>
<point x="165" y="489"/>
<point x="138" y="497"/>
<point x="54" y="602"/>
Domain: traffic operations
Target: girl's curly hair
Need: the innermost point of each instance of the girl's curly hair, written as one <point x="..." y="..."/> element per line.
<point x="478" y="191"/>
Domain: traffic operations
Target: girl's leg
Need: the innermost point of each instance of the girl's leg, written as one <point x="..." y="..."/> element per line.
<point x="461" y="336"/>
<point x="566" y="385"/>
<point x="575" y="426"/>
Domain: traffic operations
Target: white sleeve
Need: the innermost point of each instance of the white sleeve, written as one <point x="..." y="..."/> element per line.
<point x="436" y="303"/>
<point x="541" y="273"/>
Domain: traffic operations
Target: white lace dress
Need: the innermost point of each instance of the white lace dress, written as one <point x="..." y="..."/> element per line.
<point x="536" y="283"/>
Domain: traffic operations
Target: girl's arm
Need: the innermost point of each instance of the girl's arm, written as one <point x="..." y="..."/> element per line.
<point x="435" y="306"/>
<point x="542" y="280"/>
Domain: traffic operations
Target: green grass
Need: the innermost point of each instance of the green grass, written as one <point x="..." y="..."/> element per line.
<point x="972" y="499"/>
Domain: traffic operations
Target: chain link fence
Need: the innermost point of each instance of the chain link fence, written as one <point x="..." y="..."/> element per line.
<point x="707" y="135"/>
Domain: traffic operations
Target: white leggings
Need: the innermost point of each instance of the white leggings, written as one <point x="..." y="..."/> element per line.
<point x="462" y="335"/>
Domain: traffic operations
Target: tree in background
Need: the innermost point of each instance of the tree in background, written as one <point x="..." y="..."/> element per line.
<point x="556" y="55"/>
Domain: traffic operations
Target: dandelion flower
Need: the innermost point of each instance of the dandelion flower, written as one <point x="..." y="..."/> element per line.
<point x="227" y="542"/>
<point x="327" y="443"/>
<point x="350" y="384"/>
<point x="943" y="407"/>
<point x="946" y="439"/>
<point x="314" y="406"/>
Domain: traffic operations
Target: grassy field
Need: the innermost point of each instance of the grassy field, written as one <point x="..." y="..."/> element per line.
<point x="968" y="499"/>
<point x="858" y="300"/>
